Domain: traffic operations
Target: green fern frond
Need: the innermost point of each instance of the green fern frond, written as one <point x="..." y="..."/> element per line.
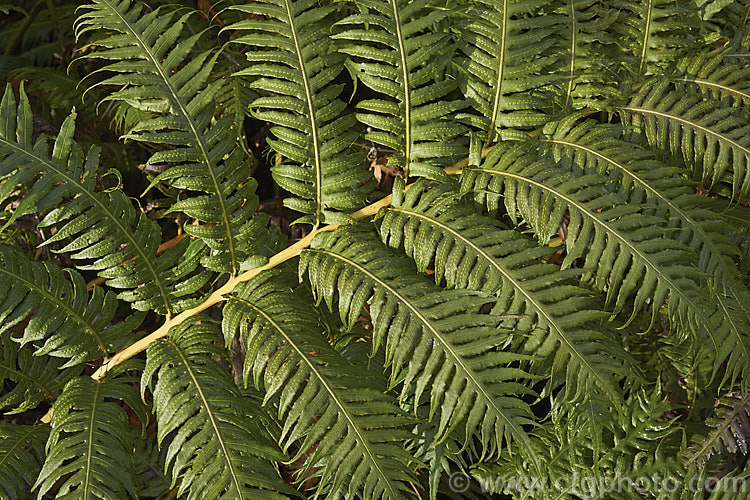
<point x="470" y="251"/>
<point x="153" y="64"/>
<point x="150" y="480"/>
<point x="436" y="344"/>
<point x="627" y="251"/>
<point x="216" y="446"/>
<point x="731" y="430"/>
<point x="100" y="227"/>
<point x="396" y="51"/>
<point x="311" y="124"/>
<point x="89" y="450"/>
<point x="712" y="139"/>
<point x="725" y="17"/>
<point x="438" y="456"/>
<point x="235" y="98"/>
<point x="325" y="403"/>
<point x="36" y="379"/>
<point x="588" y="64"/>
<point x="508" y="51"/>
<point x="587" y="147"/>
<point x="653" y="33"/>
<point x="63" y="318"/>
<point x="645" y="426"/>
<point x="722" y="76"/>
<point x="58" y="89"/>
<point x="640" y="442"/>
<point x="21" y="457"/>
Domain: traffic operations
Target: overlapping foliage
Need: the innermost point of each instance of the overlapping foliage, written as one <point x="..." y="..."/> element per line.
<point x="555" y="287"/>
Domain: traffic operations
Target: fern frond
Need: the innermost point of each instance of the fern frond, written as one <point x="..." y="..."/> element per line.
<point x="150" y="480"/>
<point x="725" y="17"/>
<point x="396" y="51"/>
<point x="311" y="124"/>
<point x="722" y="76"/>
<point x="90" y="447"/>
<point x="626" y="250"/>
<point x="508" y="51"/>
<point x="587" y="147"/>
<point x="641" y="442"/>
<point x="653" y="33"/>
<point x="21" y="457"/>
<point x="434" y="339"/>
<point x="588" y="62"/>
<point x="712" y="139"/>
<point x="440" y="456"/>
<point x="730" y="434"/>
<point x="101" y="227"/>
<point x="646" y="426"/>
<point x="36" y="379"/>
<point x="469" y="251"/>
<point x="235" y="98"/>
<point x="63" y="318"/>
<point x="152" y="63"/>
<point x="325" y="403"/>
<point x="216" y="447"/>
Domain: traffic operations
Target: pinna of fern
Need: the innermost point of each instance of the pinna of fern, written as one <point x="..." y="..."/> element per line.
<point x="89" y="449"/>
<point x="151" y="62"/>
<point x="217" y="447"/>
<point x="653" y="33"/>
<point x="64" y="320"/>
<point x="589" y="147"/>
<point x="395" y="50"/>
<point x="321" y="397"/>
<point x="100" y="227"/>
<point x="312" y="127"/>
<point x="471" y="252"/>
<point x="436" y="344"/>
<point x="711" y="138"/>
<point x="506" y="52"/>
<point x="716" y="75"/>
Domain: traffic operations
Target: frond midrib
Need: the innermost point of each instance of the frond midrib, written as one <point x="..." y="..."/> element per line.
<point x="72" y="312"/>
<point x="123" y="231"/>
<point x="318" y="167"/>
<point x="92" y="428"/>
<point x="517" y="285"/>
<point x="24" y="376"/>
<point x="646" y="36"/>
<point x="489" y="400"/>
<point x="500" y="71"/>
<point x="198" y="137"/>
<point x="211" y="417"/>
<point x="18" y="444"/>
<point x="610" y="231"/>
<point x="701" y="81"/>
<point x="675" y="117"/>
<point x="407" y="88"/>
<point x="339" y="404"/>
